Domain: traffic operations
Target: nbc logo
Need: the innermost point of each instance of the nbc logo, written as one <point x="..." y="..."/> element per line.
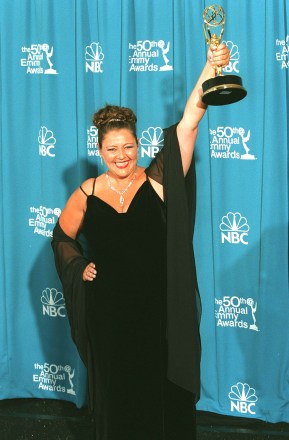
<point x="243" y="398"/>
<point x="46" y="141"/>
<point x="53" y="303"/>
<point x="152" y="140"/>
<point x="234" y="228"/>
<point x="94" y="57"/>
<point x="234" y="57"/>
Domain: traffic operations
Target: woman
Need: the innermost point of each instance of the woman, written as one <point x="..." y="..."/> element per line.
<point x="132" y="305"/>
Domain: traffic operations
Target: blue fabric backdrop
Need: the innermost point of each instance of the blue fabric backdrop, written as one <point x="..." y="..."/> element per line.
<point x="60" y="61"/>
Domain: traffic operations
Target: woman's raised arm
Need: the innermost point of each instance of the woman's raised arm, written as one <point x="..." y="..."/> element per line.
<point x="187" y="128"/>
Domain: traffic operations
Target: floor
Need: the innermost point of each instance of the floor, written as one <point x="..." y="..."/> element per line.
<point x="36" y="419"/>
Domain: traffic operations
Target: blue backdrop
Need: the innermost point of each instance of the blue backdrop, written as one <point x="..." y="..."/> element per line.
<point x="60" y="61"/>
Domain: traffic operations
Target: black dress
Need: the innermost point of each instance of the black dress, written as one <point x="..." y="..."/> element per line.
<point x="137" y="324"/>
<point x="126" y="324"/>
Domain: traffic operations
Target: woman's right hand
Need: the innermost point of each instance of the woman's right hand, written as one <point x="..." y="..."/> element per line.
<point x="89" y="272"/>
<point x="218" y="56"/>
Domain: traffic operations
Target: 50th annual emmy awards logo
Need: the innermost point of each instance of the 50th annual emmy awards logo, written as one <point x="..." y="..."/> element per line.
<point x="149" y="56"/>
<point x="231" y="143"/>
<point x="53" y="377"/>
<point x="43" y="219"/>
<point x="38" y="59"/>
<point x="236" y="312"/>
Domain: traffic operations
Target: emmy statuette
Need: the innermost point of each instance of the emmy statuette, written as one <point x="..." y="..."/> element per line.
<point x="222" y="89"/>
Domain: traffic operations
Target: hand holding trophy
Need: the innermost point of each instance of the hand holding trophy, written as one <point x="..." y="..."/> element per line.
<point x="222" y="89"/>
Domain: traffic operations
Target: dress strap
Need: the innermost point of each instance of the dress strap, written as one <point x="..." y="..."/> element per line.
<point x="83" y="190"/>
<point x="93" y="186"/>
<point x="92" y="189"/>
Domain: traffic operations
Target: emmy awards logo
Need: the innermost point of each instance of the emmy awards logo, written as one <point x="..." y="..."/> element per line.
<point x="70" y="377"/>
<point x="45" y="48"/>
<point x="164" y="50"/>
<point x="222" y="89"/>
<point x="245" y="139"/>
<point x="253" y="306"/>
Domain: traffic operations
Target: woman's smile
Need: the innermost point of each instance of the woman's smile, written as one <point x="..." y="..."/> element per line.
<point x="122" y="164"/>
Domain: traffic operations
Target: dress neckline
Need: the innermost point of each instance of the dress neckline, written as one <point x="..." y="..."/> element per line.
<point x="129" y="206"/>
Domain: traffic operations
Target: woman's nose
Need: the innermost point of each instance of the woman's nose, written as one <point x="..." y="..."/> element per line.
<point x="120" y="153"/>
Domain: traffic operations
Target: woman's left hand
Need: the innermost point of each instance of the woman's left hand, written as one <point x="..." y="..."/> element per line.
<point x="218" y="56"/>
<point x="89" y="272"/>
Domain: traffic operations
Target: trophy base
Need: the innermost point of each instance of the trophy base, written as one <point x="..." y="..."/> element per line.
<point x="223" y="90"/>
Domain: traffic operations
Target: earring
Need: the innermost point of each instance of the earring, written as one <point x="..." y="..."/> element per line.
<point x="101" y="160"/>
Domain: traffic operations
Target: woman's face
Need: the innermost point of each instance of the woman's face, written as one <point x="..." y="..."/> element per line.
<point x="119" y="152"/>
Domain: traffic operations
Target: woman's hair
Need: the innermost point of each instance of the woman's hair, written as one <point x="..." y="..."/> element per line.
<point x="113" y="117"/>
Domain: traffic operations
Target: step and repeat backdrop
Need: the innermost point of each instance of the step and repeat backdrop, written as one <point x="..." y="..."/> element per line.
<point x="60" y="61"/>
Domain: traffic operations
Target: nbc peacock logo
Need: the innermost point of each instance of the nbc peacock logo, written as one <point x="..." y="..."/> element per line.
<point x="243" y="398"/>
<point x="53" y="303"/>
<point x="94" y="57"/>
<point x="151" y="141"/>
<point x="233" y="65"/>
<point x="46" y="142"/>
<point x="234" y="228"/>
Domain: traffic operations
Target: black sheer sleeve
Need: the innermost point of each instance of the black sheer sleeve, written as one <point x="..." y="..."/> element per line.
<point x="70" y="264"/>
<point x="156" y="168"/>
<point x="182" y="287"/>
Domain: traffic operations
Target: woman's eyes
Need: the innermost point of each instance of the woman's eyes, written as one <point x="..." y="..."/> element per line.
<point x="113" y="150"/>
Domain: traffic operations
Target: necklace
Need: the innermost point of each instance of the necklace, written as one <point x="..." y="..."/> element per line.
<point x="121" y="193"/>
